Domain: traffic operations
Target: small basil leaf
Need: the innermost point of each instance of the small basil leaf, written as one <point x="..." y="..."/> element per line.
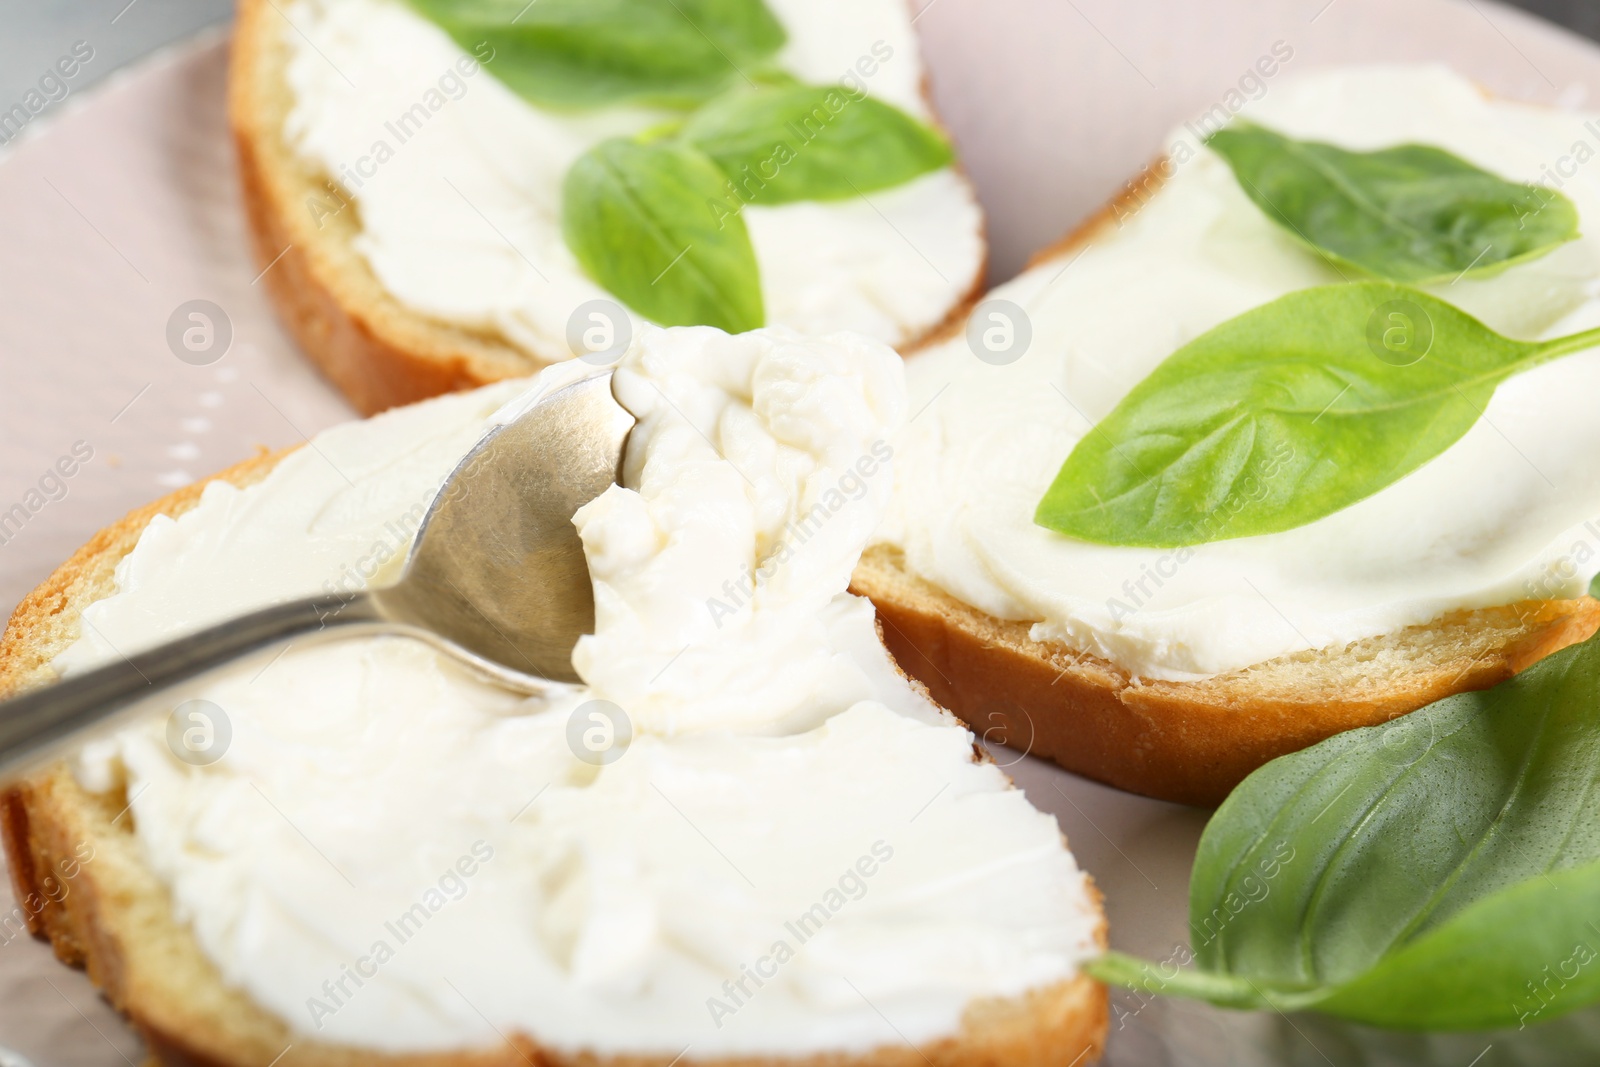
<point x="1439" y="872"/>
<point x="590" y="53"/>
<point x="813" y="143"/>
<point x="636" y="218"/>
<point x="1412" y="213"/>
<point x="1284" y="415"/>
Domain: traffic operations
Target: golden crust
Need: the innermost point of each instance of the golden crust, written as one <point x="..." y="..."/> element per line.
<point x="1191" y="742"/>
<point x="77" y="870"/>
<point x="377" y="351"/>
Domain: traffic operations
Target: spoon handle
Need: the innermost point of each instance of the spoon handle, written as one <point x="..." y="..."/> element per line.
<point x="44" y="722"/>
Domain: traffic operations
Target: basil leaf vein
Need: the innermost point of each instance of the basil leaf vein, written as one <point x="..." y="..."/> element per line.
<point x="636" y="217"/>
<point x="813" y="143"/>
<point x="590" y="53"/>
<point x="1284" y="415"/>
<point x="1441" y="872"/>
<point x="1411" y="213"/>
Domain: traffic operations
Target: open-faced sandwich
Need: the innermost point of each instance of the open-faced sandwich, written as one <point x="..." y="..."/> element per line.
<point x="746" y="838"/>
<point x="451" y="192"/>
<point x="1252" y="458"/>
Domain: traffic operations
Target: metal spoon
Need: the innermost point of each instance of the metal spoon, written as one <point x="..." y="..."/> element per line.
<point x="496" y="577"/>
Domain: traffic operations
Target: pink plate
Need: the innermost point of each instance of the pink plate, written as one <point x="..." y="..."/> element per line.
<point x="122" y="208"/>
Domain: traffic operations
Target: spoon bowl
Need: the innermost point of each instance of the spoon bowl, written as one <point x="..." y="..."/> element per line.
<point x="497" y="568"/>
<point x="496" y="578"/>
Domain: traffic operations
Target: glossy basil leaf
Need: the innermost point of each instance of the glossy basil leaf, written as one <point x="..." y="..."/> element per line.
<point x="636" y="217"/>
<point x="590" y="53"/>
<point x="813" y="143"/>
<point x="1411" y="213"/>
<point x="1438" y="872"/>
<point x="1284" y="415"/>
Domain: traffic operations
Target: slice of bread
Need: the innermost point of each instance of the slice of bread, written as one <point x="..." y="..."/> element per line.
<point x="1189" y="742"/>
<point x="78" y="872"/>
<point x="379" y="352"/>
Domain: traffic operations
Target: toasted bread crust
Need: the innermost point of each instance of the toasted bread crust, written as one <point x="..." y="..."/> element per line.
<point x="77" y="870"/>
<point x="376" y="350"/>
<point x="1190" y="742"/>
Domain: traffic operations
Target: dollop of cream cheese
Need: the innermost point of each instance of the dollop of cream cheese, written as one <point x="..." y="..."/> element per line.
<point x="793" y="852"/>
<point x="457" y="180"/>
<point x="1510" y="512"/>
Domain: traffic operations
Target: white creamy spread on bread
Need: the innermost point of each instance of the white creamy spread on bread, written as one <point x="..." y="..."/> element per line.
<point x="460" y="209"/>
<point x="796" y="853"/>
<point x="1510" y="512"/>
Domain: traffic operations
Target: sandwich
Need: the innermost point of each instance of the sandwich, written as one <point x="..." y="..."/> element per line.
<point x="1054" y="575"/>
<point x="443" y="194"/>
<point x="746" y="838"/>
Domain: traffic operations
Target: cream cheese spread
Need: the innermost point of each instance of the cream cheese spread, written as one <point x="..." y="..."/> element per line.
<point x="457" y="180"/>
<point x="794" y="853"/>
<point x="1510" y="512"/>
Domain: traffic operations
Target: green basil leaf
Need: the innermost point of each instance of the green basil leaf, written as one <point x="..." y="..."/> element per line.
<point x="590" y="53"/>
<point x="1284" y="415"/>
<point x="636" y="217"/>
<point x="1524" y="955"/>
<point x="1438" y="872"/>
<point x="1412" y="213"/>
<point x="813" y="143"/>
